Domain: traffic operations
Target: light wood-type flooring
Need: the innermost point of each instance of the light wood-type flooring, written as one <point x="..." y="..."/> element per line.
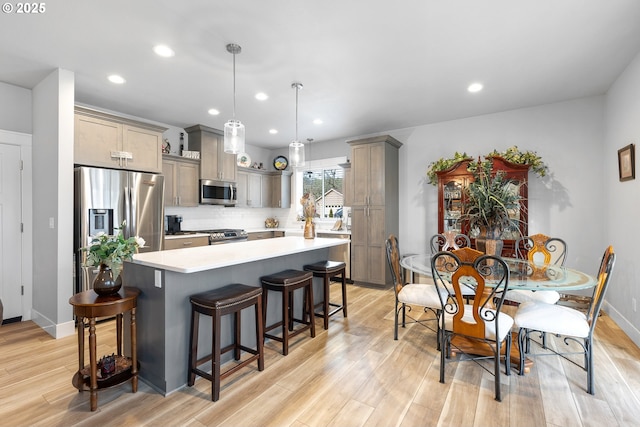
<point x="354" y="374"/>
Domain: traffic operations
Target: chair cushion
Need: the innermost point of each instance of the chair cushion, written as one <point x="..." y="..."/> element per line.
<point x="505" y="322"/>
<point x="552" y="318"/>
<point x="420" y="294"/>
<point x="521" y="296"/>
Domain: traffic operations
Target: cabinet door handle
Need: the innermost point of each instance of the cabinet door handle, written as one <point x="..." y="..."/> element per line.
<point x="179" y="200"/>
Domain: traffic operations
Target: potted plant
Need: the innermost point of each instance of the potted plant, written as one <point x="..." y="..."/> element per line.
<point x="490" y="200"/>
<point x="109" y="252"/>
<point x="512" y="154"/>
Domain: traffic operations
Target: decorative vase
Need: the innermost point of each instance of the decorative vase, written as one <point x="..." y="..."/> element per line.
<point x="104" y="283"/>
<point x="489" y="241"/>
<point x="309" y="228"/>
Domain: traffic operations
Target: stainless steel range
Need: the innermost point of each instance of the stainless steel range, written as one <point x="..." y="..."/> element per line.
<point x="227" y="235"/>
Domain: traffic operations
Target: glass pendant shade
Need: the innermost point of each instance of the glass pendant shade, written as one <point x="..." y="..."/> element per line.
<point x="296" y="154"/>
<point x="233" y="129"/>
<point x="296" y="148"/>
<point x="234" y="137"/>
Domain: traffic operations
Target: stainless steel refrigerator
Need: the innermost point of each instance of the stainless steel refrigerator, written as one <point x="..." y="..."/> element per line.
<point x="103" y="199"/>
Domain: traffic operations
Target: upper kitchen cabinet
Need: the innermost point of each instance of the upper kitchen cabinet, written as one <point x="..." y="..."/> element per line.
<point x="374" y="206"/>
<point x="110" y="141"/>
<point x="281" y="189"/>
<point x="215" y="164"/>
<point x="180" y="181"/>
<point x="262" y="189"/>
<point x="253" y="188"/>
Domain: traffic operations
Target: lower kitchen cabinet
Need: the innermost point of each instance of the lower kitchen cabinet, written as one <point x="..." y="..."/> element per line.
<point x="187" y="241"/>
<point x="259" y="235"/>
<point x="368" y="251"/>
<point x="180" y="181"/>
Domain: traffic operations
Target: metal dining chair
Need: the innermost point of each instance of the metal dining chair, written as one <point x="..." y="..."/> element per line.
<point x="409" y="294"/>
<point x="481" y="322"/>
<point x="543" y="250"/>
<point x="449" y="241"/>
<point x="570" y="323"/>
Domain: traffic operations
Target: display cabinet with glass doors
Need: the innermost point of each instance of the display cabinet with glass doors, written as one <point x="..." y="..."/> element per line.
<point x="451" y="201"/>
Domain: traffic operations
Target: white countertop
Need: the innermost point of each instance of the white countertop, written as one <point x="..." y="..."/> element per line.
<point x="192" y="260"/>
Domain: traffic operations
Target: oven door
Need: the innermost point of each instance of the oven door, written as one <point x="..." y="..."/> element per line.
<point x="217" y="193"/>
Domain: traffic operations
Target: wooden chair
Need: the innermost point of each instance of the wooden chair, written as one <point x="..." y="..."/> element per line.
<point x="543" y="250"/>
<point x="449" y="240"/>
<point x="409" y="294"/>
<point x="481" y="323"/>
<point x="574" y="325"/>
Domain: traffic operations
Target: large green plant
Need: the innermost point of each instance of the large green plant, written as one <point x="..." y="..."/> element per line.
<point x="511" y="154"/>
<point x="489" y="200"/>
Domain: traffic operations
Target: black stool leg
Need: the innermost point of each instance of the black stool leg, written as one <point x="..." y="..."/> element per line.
<point x="259" y="334"/>
<point x="344" y="293"/>
<point x="312" y="320"/>
<point x="193" y="348"/>
<point x="215" y="384"/>
<point x="286" y="307"/>
<point x="326" y="281"/>
<point x="237" y="328"/>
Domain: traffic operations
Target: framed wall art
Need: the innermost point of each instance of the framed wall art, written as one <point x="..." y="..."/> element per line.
<point x="627" y="163"/>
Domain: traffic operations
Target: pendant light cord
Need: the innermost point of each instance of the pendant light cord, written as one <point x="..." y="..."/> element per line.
<point x="234" y="86"/>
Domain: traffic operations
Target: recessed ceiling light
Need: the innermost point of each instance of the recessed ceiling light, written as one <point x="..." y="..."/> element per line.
<point x="273" y="131"/>
<point x="475" y="87"/>
<point x="114" y="78"/>
<point x="317" y="122"/>
<point x="213" y="111"/>
<point x="261" y="96"/>
<point x="164" y="51"/>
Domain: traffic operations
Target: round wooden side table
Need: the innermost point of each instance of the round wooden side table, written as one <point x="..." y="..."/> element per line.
<point x="87" y="307"/>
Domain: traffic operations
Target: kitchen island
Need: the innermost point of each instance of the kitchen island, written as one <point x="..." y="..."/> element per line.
<point x="168" y="278"/>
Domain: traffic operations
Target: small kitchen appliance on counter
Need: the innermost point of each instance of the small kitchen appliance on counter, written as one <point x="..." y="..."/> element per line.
<point x="172" y="224"/>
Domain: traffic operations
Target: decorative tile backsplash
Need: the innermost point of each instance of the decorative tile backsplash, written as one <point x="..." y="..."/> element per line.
<point x="211" y="217"/>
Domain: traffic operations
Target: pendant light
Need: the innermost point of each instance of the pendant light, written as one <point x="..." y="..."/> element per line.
<point x="233" y="129"/>
<point x="296" y="148"/>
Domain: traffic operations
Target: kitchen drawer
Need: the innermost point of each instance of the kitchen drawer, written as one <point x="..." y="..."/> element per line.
<point x="185" y="242"/>
<point x="259" y="235"/>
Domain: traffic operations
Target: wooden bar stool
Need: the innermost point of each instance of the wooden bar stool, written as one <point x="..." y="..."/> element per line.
<point x="328" y="270"/>
<point x="286" y="282"/>
<point x="230" y="299"/>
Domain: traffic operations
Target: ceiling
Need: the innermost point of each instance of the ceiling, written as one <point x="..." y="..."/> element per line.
<point x="367" y="66"/>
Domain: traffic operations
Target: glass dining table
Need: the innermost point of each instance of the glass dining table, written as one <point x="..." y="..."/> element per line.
<point x="524" y="275"/>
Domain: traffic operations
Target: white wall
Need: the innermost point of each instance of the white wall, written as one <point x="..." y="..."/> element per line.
<point x="53" y="100"/>
<point x="568" y="137"/>
<point x="15" y="108"/>
<point x="621" y="201"/>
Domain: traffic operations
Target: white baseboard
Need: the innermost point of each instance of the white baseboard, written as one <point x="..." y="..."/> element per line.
<point x="60" y="330"/>
<point x="626" y="326"/>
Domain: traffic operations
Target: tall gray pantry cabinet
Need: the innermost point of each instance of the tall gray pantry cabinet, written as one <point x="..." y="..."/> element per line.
<point x="374" y="210"/>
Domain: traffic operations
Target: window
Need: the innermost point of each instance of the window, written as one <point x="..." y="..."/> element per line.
<point x="326" y="186"/>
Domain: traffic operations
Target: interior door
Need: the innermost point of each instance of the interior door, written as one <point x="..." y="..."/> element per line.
<point x="10" y="238"/>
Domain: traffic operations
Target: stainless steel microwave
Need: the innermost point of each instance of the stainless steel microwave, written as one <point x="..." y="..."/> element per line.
<point x="217" y="192"/>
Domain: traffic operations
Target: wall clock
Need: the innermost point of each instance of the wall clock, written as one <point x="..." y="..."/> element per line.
<point x="280" y="163"/>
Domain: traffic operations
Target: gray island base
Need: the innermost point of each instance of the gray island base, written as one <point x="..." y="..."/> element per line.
<point x="167" y="279"/>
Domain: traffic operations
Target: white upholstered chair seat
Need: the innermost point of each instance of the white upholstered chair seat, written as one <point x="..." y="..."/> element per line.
<point x="420" y="294"/>
<point x="521" y="296"/>
<point x="505" y="322"/>
<point x="555" y="319"/>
